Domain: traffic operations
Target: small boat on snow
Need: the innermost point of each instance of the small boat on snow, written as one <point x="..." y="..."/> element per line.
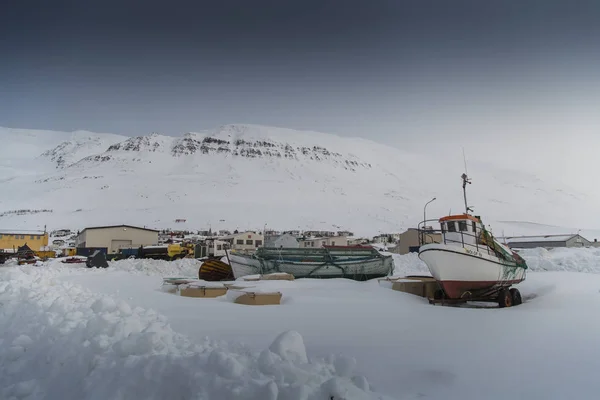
<point x="469" y="263"/>
<point x="352" y="262"/>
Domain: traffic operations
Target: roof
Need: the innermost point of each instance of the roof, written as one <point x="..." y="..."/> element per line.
<point x="20" y="232"/>
<point x="234" y="235"/>
<point x="277" y="236"/>
<point x="459" y="217"/>
<point x="118" y="226"/>
<point x="324" y="238"/>
<point x="545" y="238"/>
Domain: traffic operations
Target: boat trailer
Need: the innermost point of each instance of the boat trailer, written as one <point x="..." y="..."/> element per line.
<point x="504" y="296"/>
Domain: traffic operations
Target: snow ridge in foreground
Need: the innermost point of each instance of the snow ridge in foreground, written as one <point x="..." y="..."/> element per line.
<point x="62" y="341"/>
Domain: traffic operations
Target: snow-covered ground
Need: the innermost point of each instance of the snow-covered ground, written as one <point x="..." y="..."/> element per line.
<point x="70" y="332"/>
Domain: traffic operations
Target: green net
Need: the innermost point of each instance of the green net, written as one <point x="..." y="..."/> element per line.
<point x="502" y="251"/>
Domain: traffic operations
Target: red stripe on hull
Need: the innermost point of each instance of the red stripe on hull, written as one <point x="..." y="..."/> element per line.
<point x="456" y="289"/>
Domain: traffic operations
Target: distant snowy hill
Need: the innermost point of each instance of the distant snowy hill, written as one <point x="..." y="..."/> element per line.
<point x="246" y="176"/>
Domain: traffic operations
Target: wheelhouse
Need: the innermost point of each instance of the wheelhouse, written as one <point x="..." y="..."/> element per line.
<point x="461" y="230"/>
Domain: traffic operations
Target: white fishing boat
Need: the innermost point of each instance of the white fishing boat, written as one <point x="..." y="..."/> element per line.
<point x="469" y="263"/>
<point x="352" y="262"/>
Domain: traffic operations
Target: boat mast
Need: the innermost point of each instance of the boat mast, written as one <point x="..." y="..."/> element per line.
<point x="466" y="180"/>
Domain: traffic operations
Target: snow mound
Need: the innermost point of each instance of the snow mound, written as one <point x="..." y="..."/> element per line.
<point x="62" y="341"/>
<point x="184" y="267"/>
<point x="290" y="346"/>
<point x="563" y="259"/>
<point x="539" y="259"/>
<point x="409" y="264"/>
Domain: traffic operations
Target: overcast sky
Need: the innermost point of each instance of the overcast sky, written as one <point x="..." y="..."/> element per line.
<point x="402" y="72"/>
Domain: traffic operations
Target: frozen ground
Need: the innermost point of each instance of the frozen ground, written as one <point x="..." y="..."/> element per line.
<point x="70" y="332"/>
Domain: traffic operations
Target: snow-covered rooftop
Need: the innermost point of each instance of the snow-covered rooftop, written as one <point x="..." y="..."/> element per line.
<point x="546" y="238"/>
<point x="19" y="232"/>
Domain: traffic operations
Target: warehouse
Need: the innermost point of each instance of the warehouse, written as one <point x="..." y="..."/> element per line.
<point x="115" y="237"/>
<point x="410" y="241"/>
<point x="547" y="241"/>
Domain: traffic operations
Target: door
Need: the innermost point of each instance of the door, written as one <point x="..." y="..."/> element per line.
<point x="115" y="245"/>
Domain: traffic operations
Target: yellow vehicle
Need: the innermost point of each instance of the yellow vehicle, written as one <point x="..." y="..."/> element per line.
<point x="165" y="252"/>
<point x="70" y="252"/>
<point x="44" y="255"/>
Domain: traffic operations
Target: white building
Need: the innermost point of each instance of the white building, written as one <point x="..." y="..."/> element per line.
<point x="324" y="241"/>
<point x="284" y="240"/>
<point x="211" y="248"/>
<point x="244" y="240"/>
<point x="357" y="241"/>
<point x="387" y="238"/>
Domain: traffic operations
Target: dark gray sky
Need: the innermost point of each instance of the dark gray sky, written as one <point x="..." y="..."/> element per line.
<point x="388" y="70"/>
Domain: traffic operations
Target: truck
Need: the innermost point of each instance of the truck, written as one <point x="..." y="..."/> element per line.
<point x="164" y="252"/>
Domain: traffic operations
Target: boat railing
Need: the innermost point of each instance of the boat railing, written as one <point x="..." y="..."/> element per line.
<point x="468" y="240"/>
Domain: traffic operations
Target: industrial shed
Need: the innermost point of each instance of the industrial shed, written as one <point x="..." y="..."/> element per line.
<point x="115" y="237"/>
<point x="547" y="241"/>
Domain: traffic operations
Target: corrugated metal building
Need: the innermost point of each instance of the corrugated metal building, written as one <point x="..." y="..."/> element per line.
<point x="409" y="240"/>
<point x="115" y="237"/>
<point x="547" y="241"/>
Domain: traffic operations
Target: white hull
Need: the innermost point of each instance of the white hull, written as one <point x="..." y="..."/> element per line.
<point x="243" y="266"/>
<point x="461" y="270"/>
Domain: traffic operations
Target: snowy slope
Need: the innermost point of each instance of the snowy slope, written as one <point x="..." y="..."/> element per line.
<point x="250" y="175"/>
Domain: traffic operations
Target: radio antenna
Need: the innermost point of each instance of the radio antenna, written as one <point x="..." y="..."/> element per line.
<point x="465" y="180"/>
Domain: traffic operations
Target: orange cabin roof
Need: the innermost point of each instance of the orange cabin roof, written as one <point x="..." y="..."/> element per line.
<point x="459" y="217"/>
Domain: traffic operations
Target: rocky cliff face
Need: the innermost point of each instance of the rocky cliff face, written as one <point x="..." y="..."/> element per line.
<point x="228" y="141"/>
<point x="79" y="146"/>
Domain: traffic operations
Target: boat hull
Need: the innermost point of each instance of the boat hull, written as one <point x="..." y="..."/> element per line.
<point x="464" y="272"/>
<point x="243" y="265"/>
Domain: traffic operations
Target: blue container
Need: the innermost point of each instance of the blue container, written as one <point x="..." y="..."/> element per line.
<point x="88" y="251"/>
<point x="129" y="252"/>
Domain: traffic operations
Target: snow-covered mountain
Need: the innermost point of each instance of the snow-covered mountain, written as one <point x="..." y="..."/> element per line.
<point x="246" y="176"/>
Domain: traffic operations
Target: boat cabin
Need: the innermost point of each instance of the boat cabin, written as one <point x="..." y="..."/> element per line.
<point x="461" y="230"/>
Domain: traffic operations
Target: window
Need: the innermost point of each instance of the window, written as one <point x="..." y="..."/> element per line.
<point x="239" y="241"/>
<point x="312" y="244"/>
<point x="219" y="247"/>
<point x="258" y="243"/>
<point x="451" y="227"/>
<point x="0" y="236"/>
<point x="333" y="242"/>
<point x="31" y="237"/>
<point x="474" y="227"/>
<point x="22" y="236"/>
<point x="462" y="226"/>
<point x="249" y="242"/>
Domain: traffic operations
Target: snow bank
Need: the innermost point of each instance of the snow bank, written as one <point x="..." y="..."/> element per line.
<point x="563" y="259"/>
<point x="185" y="267"/>
<point x="62" y="341"/>
<point x="409" y="264"/>
<point x="540" y="259"/>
